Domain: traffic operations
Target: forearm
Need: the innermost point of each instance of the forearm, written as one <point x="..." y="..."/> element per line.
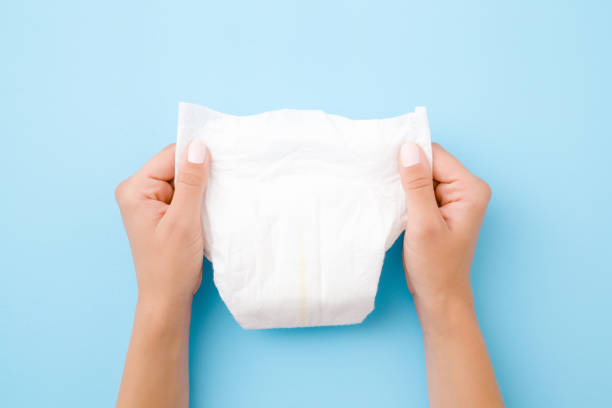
<point x="459" y="372"/>
<point x="156" y="372"/>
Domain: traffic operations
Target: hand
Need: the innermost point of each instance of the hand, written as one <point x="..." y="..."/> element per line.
<point x="162" y="220"/>
<point x="445" y="215"/>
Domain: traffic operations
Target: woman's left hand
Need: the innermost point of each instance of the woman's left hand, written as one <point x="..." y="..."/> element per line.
<point x="163" y="223"/>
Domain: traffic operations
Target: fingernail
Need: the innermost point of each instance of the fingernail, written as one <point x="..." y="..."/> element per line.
<point x="409" y="154"/>
<point x="196" y="153"/>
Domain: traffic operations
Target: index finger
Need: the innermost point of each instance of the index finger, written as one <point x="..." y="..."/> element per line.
<point x="446" y="168"/>
<point x="160" y="166"/>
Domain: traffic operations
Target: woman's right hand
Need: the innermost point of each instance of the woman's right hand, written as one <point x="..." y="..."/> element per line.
<point x="445" y="207"/>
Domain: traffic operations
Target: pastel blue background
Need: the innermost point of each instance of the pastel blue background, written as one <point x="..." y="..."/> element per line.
<point x="519" y="91"/>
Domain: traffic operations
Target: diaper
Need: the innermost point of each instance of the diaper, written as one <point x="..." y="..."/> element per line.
<point x="300" y="209"/>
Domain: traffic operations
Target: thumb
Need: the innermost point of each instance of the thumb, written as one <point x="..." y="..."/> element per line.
<point x="191" y="180"/>
<point x="417" y="183"/>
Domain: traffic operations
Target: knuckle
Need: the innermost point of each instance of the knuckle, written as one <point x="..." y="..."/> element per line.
<point x="427" y="228"/>
<point x="121" y="192"/>
<point x="180" y="229"/>
<point x="420" y="180"/>
<point x="487" y="191"/>
<point x="482" y="193"/>
<point x="190" y="177"/>
<point x="418" y="184"/>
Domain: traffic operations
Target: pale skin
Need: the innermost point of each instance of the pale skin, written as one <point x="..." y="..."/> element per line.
<point x="162" y="219"/>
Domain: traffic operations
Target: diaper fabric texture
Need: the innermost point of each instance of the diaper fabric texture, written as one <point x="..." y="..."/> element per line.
<point x="300" y="209"/>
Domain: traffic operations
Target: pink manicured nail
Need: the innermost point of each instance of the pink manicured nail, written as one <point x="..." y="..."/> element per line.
<point x="196" y="153"/>
<point x="409" y="154"/>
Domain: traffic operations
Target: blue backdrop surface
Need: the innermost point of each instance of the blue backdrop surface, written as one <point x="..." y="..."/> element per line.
<point x="519" y="91"/>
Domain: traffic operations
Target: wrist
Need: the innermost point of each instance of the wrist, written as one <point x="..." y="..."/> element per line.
<point x="161" y="313"/>
<point x="445" y="313"/>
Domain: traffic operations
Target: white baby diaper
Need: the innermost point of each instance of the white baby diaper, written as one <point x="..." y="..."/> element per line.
<point x="300" y="208"/>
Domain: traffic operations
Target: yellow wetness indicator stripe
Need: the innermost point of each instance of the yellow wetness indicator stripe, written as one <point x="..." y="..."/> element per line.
<point x="302" y="266"/>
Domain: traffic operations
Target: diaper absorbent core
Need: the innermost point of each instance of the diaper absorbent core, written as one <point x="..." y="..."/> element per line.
<point x="299" y="210"/>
